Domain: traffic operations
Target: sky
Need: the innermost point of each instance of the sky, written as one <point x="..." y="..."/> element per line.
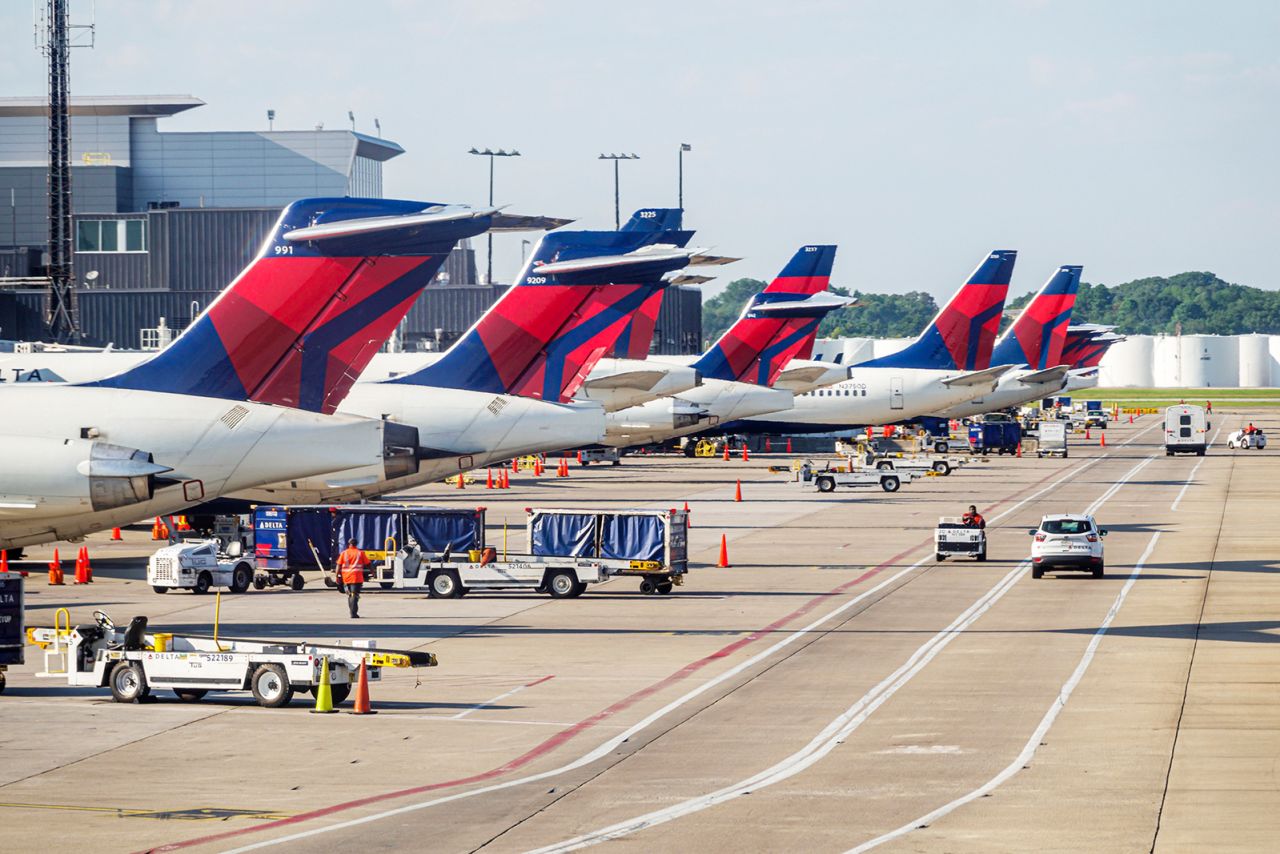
<point x="1135" y="138"/>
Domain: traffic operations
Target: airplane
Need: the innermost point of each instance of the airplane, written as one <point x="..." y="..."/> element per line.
<point x="506" y="387"/>
<point x="247" y="395"/>
<point x="1034" y="342"/>
<point x="939" y="369"/>
<point x="742" y="369"/>
<point x="1086" y="345"/>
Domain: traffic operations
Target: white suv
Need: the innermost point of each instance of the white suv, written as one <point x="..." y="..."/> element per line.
<point x="1067" y="541"/>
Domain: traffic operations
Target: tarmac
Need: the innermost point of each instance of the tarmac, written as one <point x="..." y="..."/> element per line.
<point x="836" y="689"/>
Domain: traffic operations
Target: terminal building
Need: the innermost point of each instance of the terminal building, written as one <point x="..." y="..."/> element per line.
<point x="165" y="219"/>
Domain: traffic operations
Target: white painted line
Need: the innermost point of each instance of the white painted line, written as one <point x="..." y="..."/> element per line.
<point x="841" y="727"/>
<point x="605" y="748"/>
<point x="1192" y="476"/>
<point x="1028" y="750"/>
<point x="488" y="703"/>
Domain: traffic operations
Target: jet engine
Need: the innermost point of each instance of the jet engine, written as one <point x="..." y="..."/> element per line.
<point x="47" y="474"/>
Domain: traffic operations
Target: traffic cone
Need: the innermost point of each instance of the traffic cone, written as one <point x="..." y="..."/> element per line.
<point x="737" y="491"/>
<point x="766" y="444"/>
<point x="506" y="479"/>
<point x="1018" y="453"/>
<point x="462" y="480"/>
<point x="324" y="691"/>
<point x="724" y="552"/>
<point x="579" y="457"/>
<point x="155" y="530"/>
<point x="538" y="468"/>
<point x="1102" y="442"/>
<point x="488" y="480"/>
<point x="55" y="569"/>
<point x="88" y="567"/>
<point x="1087" y="434"/>
<point x="788" y="444"/>
<point x="746" y="455"/>
<point x="360" y="705"/>
<point x="726" y="452"/>
<point x="79" y="573"/>
<point x="515" y="464"/>
<point x="4" y="554"/>
<point x="1130" y="417"/>
<point x="115" y="535"/>
<point x="688" y="517"/>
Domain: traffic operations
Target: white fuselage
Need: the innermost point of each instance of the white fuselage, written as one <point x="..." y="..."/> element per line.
<point x="1010" y="392"/>
<point x="213" y="447"/>
<point x="877" y="396"/>
<point x="457" y="431"/>
<point x="717" y="401"/>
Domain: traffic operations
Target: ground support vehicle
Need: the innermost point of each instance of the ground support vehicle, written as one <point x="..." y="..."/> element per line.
<point x="1095" y="415"/>
<point x="1052" y="440"/>
<point x="132" y="662"/>
<point x="600" y="455"/>
<point x="918" y="466"/>
<point x="200" y="565"/>
<point x="829" y="478"/>
<point x="1185" y="430"/>
<point x="567" y="551"/>
<point x="1241" y="439"/>
<point x="1067" y="541"/>
<point x="12" y="645"/>
<point x="954" y="537"/>
<point x="1001" y="437"/>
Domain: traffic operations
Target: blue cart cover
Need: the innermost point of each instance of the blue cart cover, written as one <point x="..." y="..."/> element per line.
<point x="310" y="527"/>
<point x="438" y="530"/>
<point x="370" y="529"/>
<point x="563" y="534"/>
<point x="627" y="537"/>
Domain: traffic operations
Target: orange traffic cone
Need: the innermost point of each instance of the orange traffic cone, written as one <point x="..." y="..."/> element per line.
<point x="688" y="517"/>
<point x="1018" y="453"/>
<point x="155" y="529"/>
<point x="115" y="535"/>
<point x="506" y="479"/>
<point x="515" y="464"/>
<point x="579" y="457"/>
<point x="766" y="444"/>
<point x="1087" y="435"/>
<point x="55" y="569"/>
<point x="746" y="455"/>
<point x="360" y="705"/>
<point x="4" y="555"/>
<point x="462" y="480"/>
<point x="488" y="479"/>
<point x="726" y="452"/>
<point x="737" y="491"/>
<point x="1130" y="417"/>
<point x="1102" y="442"/>
<point x="724" y="552"/>
<point x="788" y="445"/>
<point x="79" y="574"/>
<point x="538" y="468"/>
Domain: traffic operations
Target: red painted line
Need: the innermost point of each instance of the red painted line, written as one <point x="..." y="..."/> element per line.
<point x="585" y="724"/>
<point x="540" y="681"/>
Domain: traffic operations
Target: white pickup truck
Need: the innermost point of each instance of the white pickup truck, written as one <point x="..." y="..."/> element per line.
<point x="198" y="565"/>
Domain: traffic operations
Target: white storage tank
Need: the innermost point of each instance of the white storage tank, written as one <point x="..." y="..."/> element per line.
<point x="1255" y="361"/>
<point x="1210" y="361"/>
<point x="1166" y="362"/>
<point x="1129" y="364"/>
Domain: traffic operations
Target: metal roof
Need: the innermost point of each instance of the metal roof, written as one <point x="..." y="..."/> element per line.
<point x="102" y="105"/>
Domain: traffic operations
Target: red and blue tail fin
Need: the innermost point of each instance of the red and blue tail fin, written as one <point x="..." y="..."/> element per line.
<point x="571" y="302"/>
<point x="778" y="324"/>
<point x="301" y="322"/>
<point x="1086" y="345"/>
<point x="637" y="335"/>
<point x="963" y="334"/>
<point x="1037" y="337"/>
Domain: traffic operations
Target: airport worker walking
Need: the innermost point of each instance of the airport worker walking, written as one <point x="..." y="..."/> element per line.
<point x="351" y="564"/>
<point x="1208" y="406"/>
<point x="973" y="519"/>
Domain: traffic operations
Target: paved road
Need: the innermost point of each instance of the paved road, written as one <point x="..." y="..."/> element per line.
<point x="836" y="688"/>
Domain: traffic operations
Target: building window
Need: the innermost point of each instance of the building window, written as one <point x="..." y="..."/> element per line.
<point x="111" y="235"/>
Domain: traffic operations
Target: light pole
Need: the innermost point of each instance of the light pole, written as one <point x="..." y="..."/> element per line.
<point x="492" y="154"/>
<point x="617" y="208"/>
<point x="684" y="146"/>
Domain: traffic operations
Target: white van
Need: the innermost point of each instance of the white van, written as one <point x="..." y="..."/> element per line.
<point x="1185" y="430"/>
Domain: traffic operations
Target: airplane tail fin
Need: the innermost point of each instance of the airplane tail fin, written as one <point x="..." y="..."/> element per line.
<point x="301" y="322"/>
<point x="778" y="324"/>
<point x="1086" y="346"/>
<point x="573" y="299"/>
<point x="1037" y="337"/>
<point x="962" y="335"/>
<point x="637" y="335"/>
<point x="655" y="219"/>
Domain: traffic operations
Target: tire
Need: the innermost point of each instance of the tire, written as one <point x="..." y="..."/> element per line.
<point x="161" y="590"/>
<point x="647" y="587"/>
<point x="826" y="484"/>
<point x="296" y="581"/>
<point x="1200" y="453"/>
<point x="617" y="462"/>
<point x="1168" y="453"/>
<point x="386" y="585"/>
<point x="259" y="582"/>
<point x="203" y="582"/>
<point x="981" y="556"/>
<point x="3" y="682"/>
<point x="338" y="692"/>
<point x="665" y="587"/>
<point x="1099" y="571"/>
<point x="241" y="578"/>
<point x="444" y="584"/>
<point x="890" y="484"/>
<point x="941" y="447"/>
<point x="270" y="686"/>
<point x="329" y="582"/>
<point x="942" y="467"/>
<point x="1065" y="454"/>
<point x="561" y="583"/>
<point x="578" y="590"/>
<point x="128" y="683"/>
<point x="1037" y="572"/>
<point x="884" y="465"/>
<point x="939" y="556"/>
<point x="190" y="695"/>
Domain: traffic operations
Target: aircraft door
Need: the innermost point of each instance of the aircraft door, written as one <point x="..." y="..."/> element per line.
<point x="895" y="392"/>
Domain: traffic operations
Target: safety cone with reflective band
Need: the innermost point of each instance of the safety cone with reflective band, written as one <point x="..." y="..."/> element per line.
<point x="55" y="569"/>
<point x="726" y="452"/>
<point x="488" y="480"/>
<point x="1018" y="453"/>
<point x="506" y="479"/>
<point x="115" y="535"/>
<point x="360" y="705"/>
<point x="515" y="464"/>
<point x="724" y="552"/>
<point x="579" y="457"/>
<point x="1102" y="441"/>
<point x="324" y="691"/>
<point x="737" y="491"/>
<point x="159" y="530"/>
<point x="688" y="517"/>
<point x="80" y="560"/>
<point x="746" y="455"/>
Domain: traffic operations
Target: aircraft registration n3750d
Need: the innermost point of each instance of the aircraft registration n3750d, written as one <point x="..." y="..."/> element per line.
<point x="247" y="394"/>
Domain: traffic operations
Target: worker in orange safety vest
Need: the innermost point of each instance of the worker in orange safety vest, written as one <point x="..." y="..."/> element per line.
<point x="351" y="564"/>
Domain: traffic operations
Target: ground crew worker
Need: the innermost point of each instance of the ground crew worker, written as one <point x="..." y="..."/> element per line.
<point x="351" y="564"/>
<point x="973" y="519"/>
<point x="1208" y="405"/>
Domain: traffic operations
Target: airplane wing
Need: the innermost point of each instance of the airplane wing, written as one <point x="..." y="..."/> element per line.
<point x="705" y="259"/>
<point x="647" y="255"/>
<point x="516" y="222"/>
<point x="1051" y="375"/>
<point x="643" y="380"/>
<point x="690" y="279"/>
<point x="978" y="378"/>
<point x="367" y="225"/>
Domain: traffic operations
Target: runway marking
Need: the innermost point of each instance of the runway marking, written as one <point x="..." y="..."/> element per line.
<point x="1174" y="506"/>
<point x="503" y="696"/>
<point x="839" y="728"/>
<point x="1028" y="750"/>
<point x="192" y="814"/>
<point x="605" y="748"/>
